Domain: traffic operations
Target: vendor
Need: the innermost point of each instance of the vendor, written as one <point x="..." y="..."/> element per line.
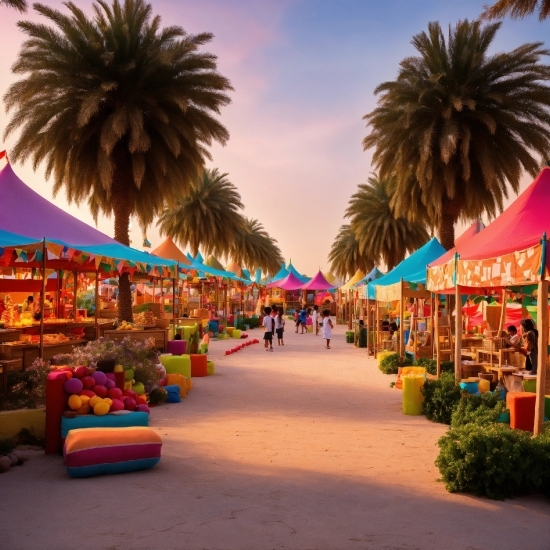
<point x="512" y="338"/>
<point x="530" y="336"/>
<point x="28" y="305"/>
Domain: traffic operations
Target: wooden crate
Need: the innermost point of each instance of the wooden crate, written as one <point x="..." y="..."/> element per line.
<point x="10" y="335"/>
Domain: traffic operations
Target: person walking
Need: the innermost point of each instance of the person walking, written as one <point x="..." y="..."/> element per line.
<point x="302" y="318"/>
<point x="280" y="327"/>
<point x="268" y="324"/>
<point x="327" y="327"/>
<point x="315" y="319"/>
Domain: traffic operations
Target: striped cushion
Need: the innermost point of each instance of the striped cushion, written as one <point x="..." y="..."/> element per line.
<point x="92" y="451"/>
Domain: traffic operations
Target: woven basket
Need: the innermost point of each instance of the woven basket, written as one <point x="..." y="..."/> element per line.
<point x="494" y="344"/>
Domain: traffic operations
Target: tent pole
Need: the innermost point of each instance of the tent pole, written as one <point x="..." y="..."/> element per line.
<point x="502" y="314"/>
<point x="42" y="297"/>
<point x="377" y="326"/>
<point x="402" y="321"/>
<point x="174" y="296"/>
<point x="542" y="323"/>
<point x="97" y="304"/>
<point x="368" y="325"/>
<point x="58" y="300"/>
<point x="75" y="290"/>
<point x="435" y="302"/>
<point x="458" y="335"/>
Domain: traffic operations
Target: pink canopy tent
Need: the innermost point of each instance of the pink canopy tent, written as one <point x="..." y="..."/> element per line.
<point x="24" y="211"/>
<point x="318" y="283"/>
<point x="460" y="242"/>
<point x="290" y="282"/>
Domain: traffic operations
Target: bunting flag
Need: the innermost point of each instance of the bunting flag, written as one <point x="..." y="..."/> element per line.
<point x="98" y="262"/>
<point x="106" y="267"/>
<point x="54" y="248"/>
<point x="3" y="154"/>
<point x="146" y="242"/>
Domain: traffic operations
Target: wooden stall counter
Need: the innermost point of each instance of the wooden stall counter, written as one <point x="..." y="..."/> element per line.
<point x="160" y="336"/>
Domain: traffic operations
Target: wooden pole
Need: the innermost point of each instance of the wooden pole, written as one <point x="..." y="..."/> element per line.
<point x="542" y="324"/>
<point x="377" y="326"/>
<point x="75" y="290"/>
<point x="174" y="296"/>
<point x="368" y="325"/>
<point x="42" y="297"/>
<point x="154" y="284"/>
<point x="436" y="335"/>
<point x="402" y="321"/>
<point x="58" y="301"/>
<point x="97" y="304"/>
<point x="458" y="335"/>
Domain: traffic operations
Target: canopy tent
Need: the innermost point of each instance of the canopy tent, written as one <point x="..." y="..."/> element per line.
<point x="410" y="270"/>
<point x="331" y="278"/>
<point x="13" y="240"/>
<point x="212" y="261"/>
<point x="353" y="281"/>
<point x="318" y="283"/>
<point x="290" y="282"/>
<point x="507" y="252"/>
<point x="291" y="269"/>
<point x="233" y="267"/>
<point x="281" y="274"/>
<point x="375" y="273"/>
<point x="71" y="244"/>
<point x="168" y="249"/>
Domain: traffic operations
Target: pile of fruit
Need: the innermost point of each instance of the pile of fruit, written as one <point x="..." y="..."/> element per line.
<point x="54" y="338"/>
<point x="125" y="325"/>
<point x="145" y="318"/>
<point x="92" y="391"/>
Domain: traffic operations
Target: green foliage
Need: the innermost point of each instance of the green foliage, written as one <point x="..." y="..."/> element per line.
<point x="391" y="363"/>
<point x="86" y="300"/>
<point x="441" y="397"/>
<point x="541" y="453"/>
<point x="431" y="365"/>
<point x="158" y="396"/>
<point x="345" y="257"/>
<point x="28" y="437"/>
<point x="488" y="460"/>
<point x="7" y="445"/>
<point x="252" y="322"/>
<point x="477" y="409"/>
<point x="26" y="389"/>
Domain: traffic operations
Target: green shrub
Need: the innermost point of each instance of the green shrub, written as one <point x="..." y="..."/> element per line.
<point x="158" y="396"/>
<point x="541" y="457"/>
<point x="441" y="397"/>
<point x="488" y="460"/>
<point x="431" y="365"/>
<point x="391" y="363"/>
<point x="477" y="409"/>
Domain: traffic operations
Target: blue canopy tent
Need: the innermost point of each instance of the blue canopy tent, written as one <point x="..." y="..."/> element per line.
<point x="407" y="279"/>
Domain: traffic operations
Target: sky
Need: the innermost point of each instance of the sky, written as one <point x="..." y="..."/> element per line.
<point x="304" y="74"/>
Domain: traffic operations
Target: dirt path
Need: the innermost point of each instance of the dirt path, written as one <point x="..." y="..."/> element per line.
<point x="302" y="448"/>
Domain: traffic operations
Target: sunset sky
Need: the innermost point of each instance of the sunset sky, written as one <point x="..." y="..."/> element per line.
<point x="304" y="72"/>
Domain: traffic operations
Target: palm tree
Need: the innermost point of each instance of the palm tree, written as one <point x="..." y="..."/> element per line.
<point x="254" y="248"/>
<point x="345" y="257"/>
<point x="381" y="235"/>
<point x="208" y="218"/>
<point x="517" y="9"/>
<point x="461" y="124"/>
<point x="120" y="111"/>
<point x="20" y="5"/>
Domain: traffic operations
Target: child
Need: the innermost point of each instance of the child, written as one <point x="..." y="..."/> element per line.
<point x="315" y="319"/>
<point x="280" y="327"/>
<point x="327" y="327"/>
<point x="268" y="324"/>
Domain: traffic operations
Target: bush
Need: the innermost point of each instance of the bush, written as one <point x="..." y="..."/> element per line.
<point x="487" y="460"/>
<point x="391" y="363"/>
<point x="431" y="365"/>
<point x="541" y="457"/>
<point x="26" y="389"/>
<point x="477" y="409"/>
<point x="441" y="397"/>
<point x="158" y="396"/>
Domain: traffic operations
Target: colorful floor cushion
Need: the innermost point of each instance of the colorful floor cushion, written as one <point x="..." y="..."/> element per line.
<point x="93" y="451"/>
<point x="177" y="380"/>
<point x="128" y="419"/>
<point x="210" y="367"/>
<point x="177" y="364"/>
<point x="177" y="347"/>
<point x="199" y="365"/>
<point x="173" y="392"/>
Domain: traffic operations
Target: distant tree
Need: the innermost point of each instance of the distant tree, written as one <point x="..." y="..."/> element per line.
<point x="459" y="125"/>
<point x="381" y="236"/>
<point x="345" y="257"/>
<point x="254" y="248"/>
<point x="120" y="111"/>
<point x="20" y="5"/>
<point x="517" y="9"/>
<point x="207" y="218"/>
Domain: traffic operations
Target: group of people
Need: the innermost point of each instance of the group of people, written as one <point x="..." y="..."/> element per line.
<point x="274" y="323"/>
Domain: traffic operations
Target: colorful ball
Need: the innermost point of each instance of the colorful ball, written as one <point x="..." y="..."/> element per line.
<point x="114" y="393"/>
<point x="110" y="376"/>
<point x="84" y="398"/>
<point x="88" y="382"/>
<point x="109" y="384"/>
<point x="101" y="408"/>
<point x="75" y="402"/>
<point x="85" y="409"/>
<point x="130" y="404"/>
<point x="81" y="372"/>
<point x="101" y="391"/>
<point x="89" y="393"/>
<point x="73" y="385"/>
<point x="117" y="405"/>
<point x="143" y="408"/>
<point x="99" y="378"/>
<point x="94" y="401"/>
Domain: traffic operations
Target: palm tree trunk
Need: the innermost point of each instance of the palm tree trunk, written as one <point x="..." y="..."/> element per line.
<point x="447" y="231"/>
<point x="122" y="212"/>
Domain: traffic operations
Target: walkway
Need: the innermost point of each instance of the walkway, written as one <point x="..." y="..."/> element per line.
<point x="302" y="448"/>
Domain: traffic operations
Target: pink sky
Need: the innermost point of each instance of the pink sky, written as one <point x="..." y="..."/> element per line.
<point x="303" y="74"/>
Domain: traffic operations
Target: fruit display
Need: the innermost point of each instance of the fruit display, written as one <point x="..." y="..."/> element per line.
<point x="145" y="318"/>
<point x="125" y="325"/>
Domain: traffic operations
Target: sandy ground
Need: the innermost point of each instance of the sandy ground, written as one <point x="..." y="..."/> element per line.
<point x="302" y="448"/>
